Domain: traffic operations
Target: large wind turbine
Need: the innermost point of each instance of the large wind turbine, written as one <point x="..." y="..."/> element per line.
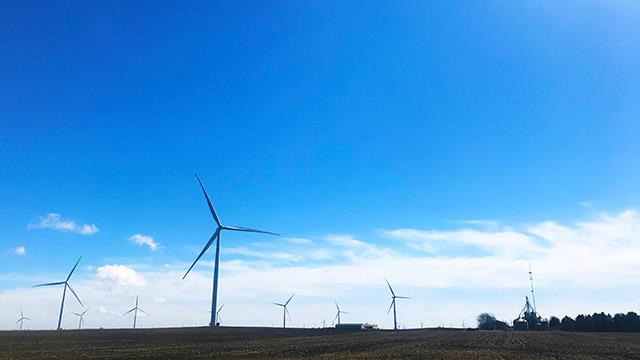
<point x="135" y="312"/>
<point x="338" y="313"/>
<point x="64" y="292"/>
<point x="285" y="312"/>
<point x="22" y="319"/>
<point x="393" y="304"/>
<point x="81" y="315"/>
<point x="214" y="237"/>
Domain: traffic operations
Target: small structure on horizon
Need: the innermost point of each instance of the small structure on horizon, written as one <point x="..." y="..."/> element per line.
<point x="529" y="319"/>
<point x="357" y="326"/>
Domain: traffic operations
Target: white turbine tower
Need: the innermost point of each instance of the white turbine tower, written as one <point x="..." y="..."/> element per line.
<point x="285" y="312"/>
<point x="338" y="314"/>
<point x="135" y="312"/>
<point x="22" y="319"/>
<point x="81" y="315"/>
<point x="214" y="237"/>
<point x="393" y="304"/>
<point x="64" y="292"/>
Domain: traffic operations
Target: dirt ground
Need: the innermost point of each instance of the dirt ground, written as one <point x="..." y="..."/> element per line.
<point x="265" y="343"/>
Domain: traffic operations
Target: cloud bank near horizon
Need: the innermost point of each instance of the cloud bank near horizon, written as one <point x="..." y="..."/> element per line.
<point x="452" y="275"/>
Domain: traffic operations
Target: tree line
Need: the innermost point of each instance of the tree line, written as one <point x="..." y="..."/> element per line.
<point x="629" y="322"/>
<point x="598" y="322"/>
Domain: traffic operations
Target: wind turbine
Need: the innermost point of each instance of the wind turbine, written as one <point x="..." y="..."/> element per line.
<point x="135" y="312"/>
<point x="338" y="313"/>
<point x="81" y="315"/>
<point x="22" y="319"/>
<point x="64" y="292"/>
<point x="393" y="304"/>
<point x="285" y="312"/>
<point x="214" y="237"/>
<point x="218" y="314"/>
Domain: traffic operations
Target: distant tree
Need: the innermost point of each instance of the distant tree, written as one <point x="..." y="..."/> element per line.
<point x="584" y="323"/>
<point x="602" y="322"/>
<point x="554" y="323"/>
<point x="486" y="321"/>
<point x="567" y="324"/>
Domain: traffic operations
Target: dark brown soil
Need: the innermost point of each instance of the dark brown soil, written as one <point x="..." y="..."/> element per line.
<point x="265" y="343"/>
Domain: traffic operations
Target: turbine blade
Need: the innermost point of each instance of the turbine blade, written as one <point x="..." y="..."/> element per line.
<point x="220" y="308"/>
<point x="211" y="208"/>
<point x="287" y="311"/>
<point x="239" y="228"/>
<point x="278" y="304"/>
<point x="211" y="240"/>
<point x="402" y="297"/>
<point x="128" y="312"/>
<point x="49" y="284"/>
<point x="74" y="268"/>
<point x="287" y="303"/>
<point x="74" y="294"/>
<point x="142" y="311"/>
<point x="84" y="312"/>
<point x="76" y="314"/>
<point x="392" y="293"/>
<point x="26" y="318"/>
<point x="337" y="307"/>
<point x="335" y="318"/>
<point x="18" y="321"/>
<point x="390" y="306"/>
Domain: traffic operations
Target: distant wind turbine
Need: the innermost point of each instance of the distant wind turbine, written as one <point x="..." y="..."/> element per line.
<point x="22" y="319"/>
<point x="64" y="292"/>
<point x="216" y="235"/>
<point x="393" y="304"/>
<point x="135" y="312"/>
<point x="218" y="314"/>
<point x="285" y="312"/>
<point x="81" y="315"/>
<point x="338" y="313"/>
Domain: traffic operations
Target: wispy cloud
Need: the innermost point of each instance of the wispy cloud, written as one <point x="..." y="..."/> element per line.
<point x="20" y="250"/>
<point x="120" y="275"/>
<point x="499" y="241"/>
<point x="298" y="241"/>
<point x="55" y="221"/>
<point x="284" y="256"/>
<point x="571" y="262"/>
<point x="142" y="239"/>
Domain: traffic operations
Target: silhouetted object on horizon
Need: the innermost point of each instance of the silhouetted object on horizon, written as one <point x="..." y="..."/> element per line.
<point x="135" y="312"/>
<point x="528" y="319"/>
<point x="22" y="319"/>
<point x="393" y="304"/>
<point x="338" y="314"/>
<point x="81" y="315"/>
<point x="214" y="237"/>
<point x="285" y="312"/>
<point x="64" y="292"/>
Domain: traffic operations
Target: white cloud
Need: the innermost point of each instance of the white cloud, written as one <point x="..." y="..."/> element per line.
<point x="579" y="267"/>
<point x="142" y="239"/>
<point x="284" y="256"/>
<point x="56" y="222"/>
<point x="20" y="250"/>
<point x="104" y="311"/>
<point x="500" y="242"/>
<point x="298" y="241"/>
<point x="121" y="275"/>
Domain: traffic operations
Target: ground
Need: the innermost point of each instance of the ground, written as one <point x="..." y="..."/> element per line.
<point x="264" y="343"/>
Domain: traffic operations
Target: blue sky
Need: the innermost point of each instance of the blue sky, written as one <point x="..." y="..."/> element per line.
<point x="362" y="132"/>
